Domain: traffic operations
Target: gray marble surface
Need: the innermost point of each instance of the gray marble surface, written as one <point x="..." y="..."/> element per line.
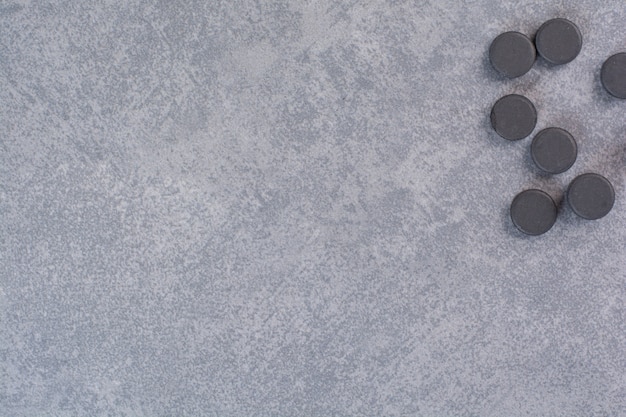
<point x="269" y="208"/>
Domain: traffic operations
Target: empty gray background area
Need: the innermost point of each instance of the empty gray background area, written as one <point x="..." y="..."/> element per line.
<point x="270" y="208"/>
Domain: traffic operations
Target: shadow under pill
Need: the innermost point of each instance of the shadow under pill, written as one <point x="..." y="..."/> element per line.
<point x="599" y="92"/>
<point x="490" y="72"/>
<point x="493" y="137"/>
<point x="532" y="166"/>
<point x="544" y="65"/>
<point x="566" y="215"/>
<point x="507" y="223"/>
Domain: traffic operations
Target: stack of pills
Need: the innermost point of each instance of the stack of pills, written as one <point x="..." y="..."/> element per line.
<point x="554" y="150"/>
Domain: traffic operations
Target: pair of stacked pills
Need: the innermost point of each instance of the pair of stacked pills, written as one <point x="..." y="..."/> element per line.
<point x="554" y="150"/>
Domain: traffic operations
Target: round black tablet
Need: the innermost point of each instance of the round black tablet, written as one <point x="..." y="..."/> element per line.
<point x="613" y="75"/>
<point x="591" y="196"/>
<point x="533" y="212"/>
<point x="513" y="117"/>
<point x="512" y="54"/>
<point x="554" y="150"/>
<point x="558" y="41"/>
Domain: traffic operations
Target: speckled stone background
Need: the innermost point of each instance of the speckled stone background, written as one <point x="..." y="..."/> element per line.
<point x="233" y="208"/>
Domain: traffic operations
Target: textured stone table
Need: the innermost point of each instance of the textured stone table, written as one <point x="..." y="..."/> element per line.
<point x="299" y="208"/>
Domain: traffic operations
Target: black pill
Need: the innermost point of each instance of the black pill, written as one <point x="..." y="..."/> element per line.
<point x="513" y="117"/>
<point x="591" y="196"/>
<point x="554" y="150"/>
<point x="613" y="75"/>
<point x="558" y="41"/>
<point x="512" y="54"/>
<point x="533" y="212"/>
